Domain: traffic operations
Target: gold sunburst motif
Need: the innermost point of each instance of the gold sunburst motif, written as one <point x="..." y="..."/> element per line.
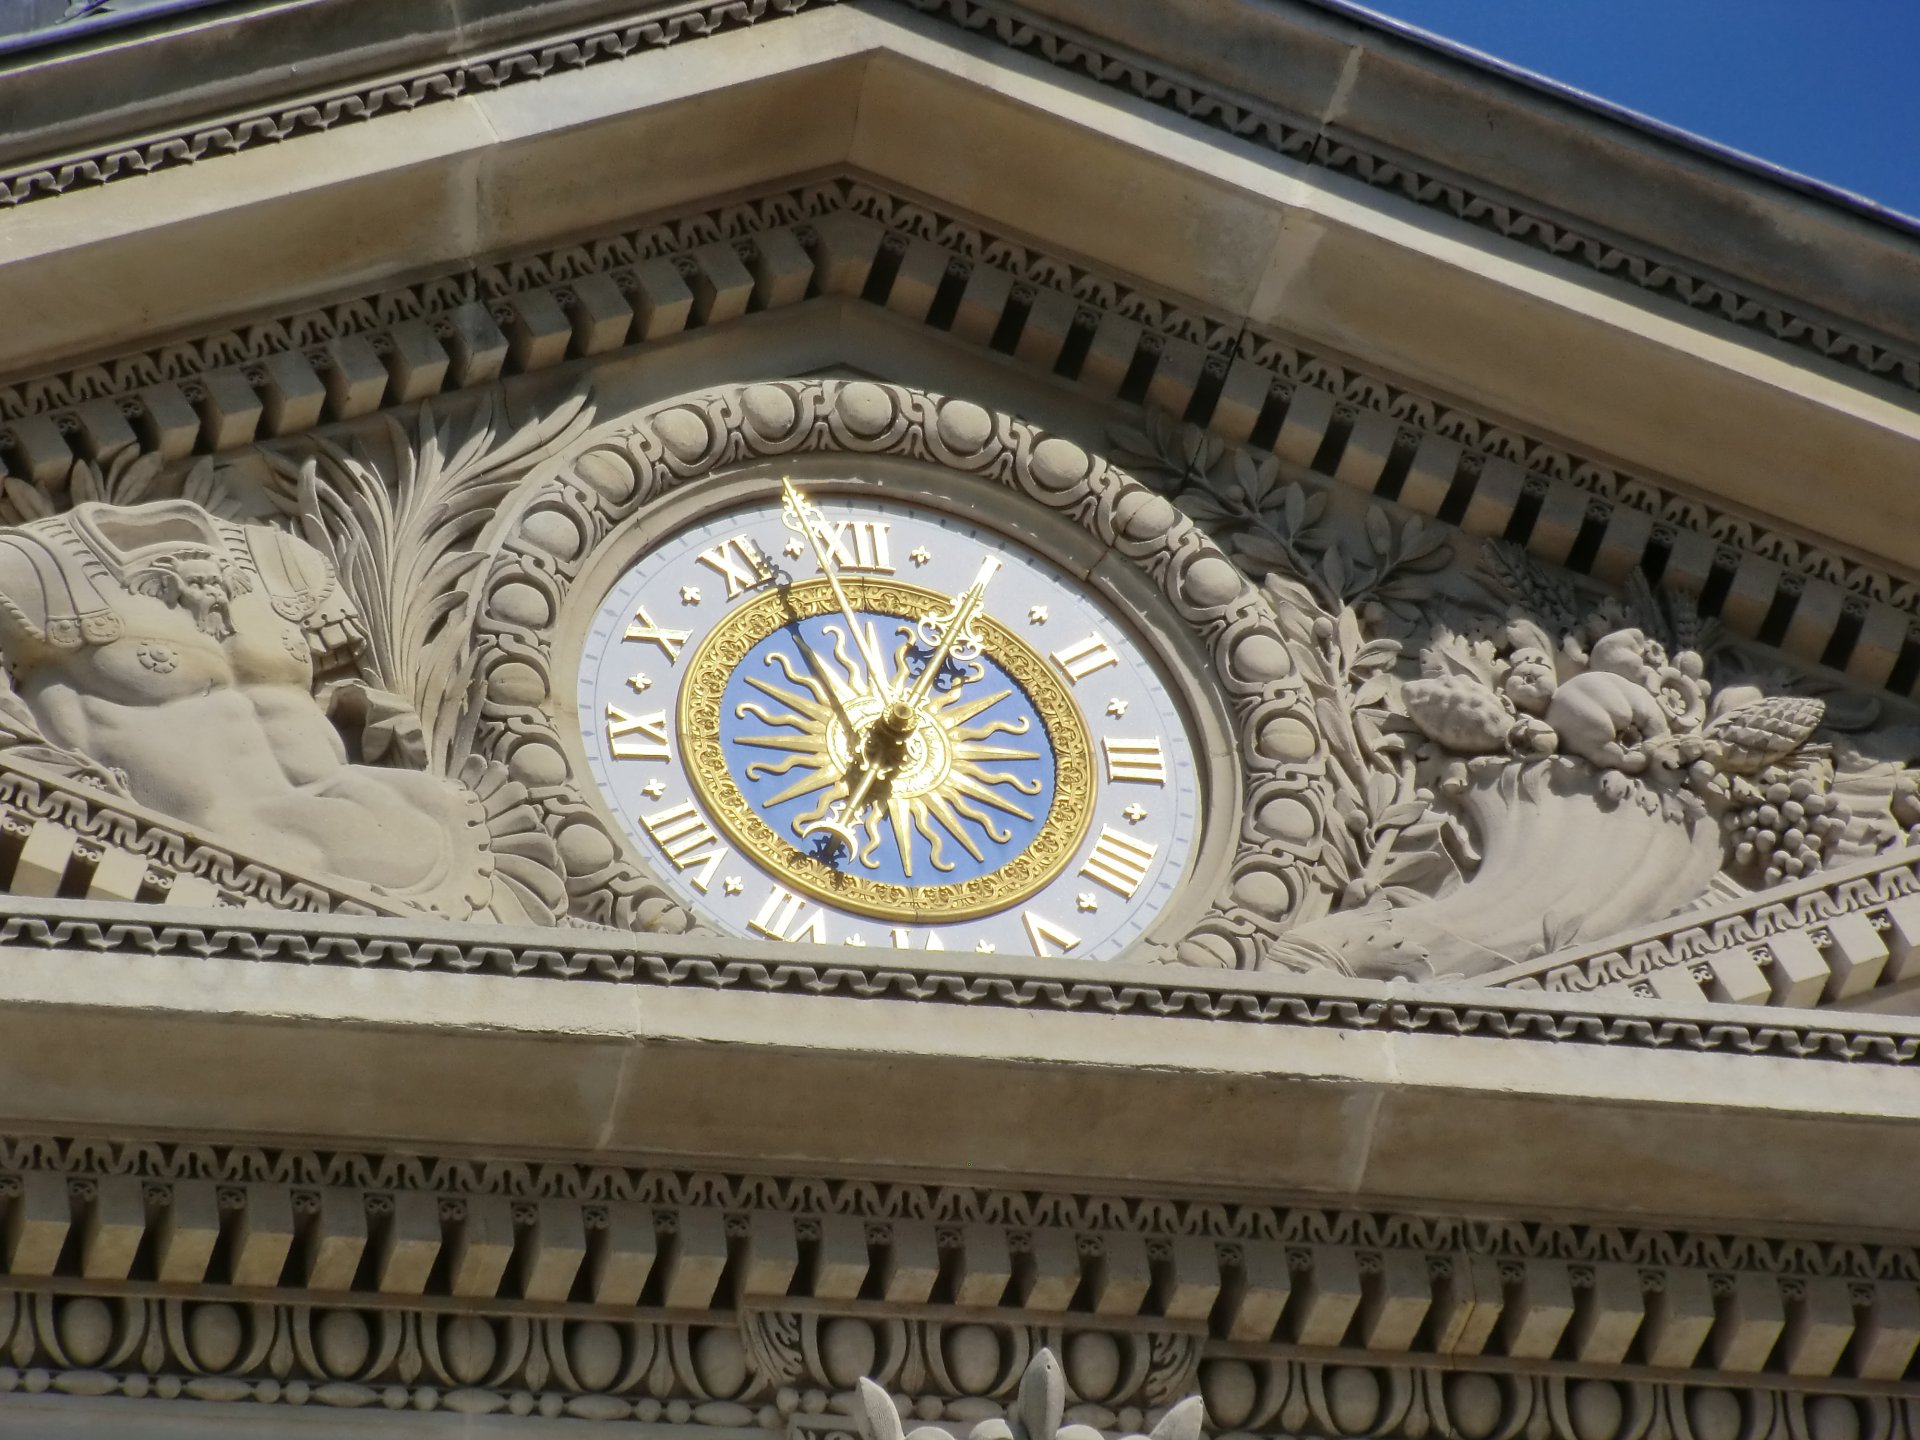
<point x="947" y="788"/>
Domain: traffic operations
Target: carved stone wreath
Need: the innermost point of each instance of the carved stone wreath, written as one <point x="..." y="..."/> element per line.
<point x="564" y="515"/>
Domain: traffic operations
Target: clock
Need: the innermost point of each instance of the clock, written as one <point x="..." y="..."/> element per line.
<point x="838" y="719"/>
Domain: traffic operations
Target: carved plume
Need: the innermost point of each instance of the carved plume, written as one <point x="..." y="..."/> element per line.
<point x="406" y="526"/>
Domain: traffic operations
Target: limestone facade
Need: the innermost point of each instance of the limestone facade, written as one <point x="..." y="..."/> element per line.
<point x="1507" y="499"/>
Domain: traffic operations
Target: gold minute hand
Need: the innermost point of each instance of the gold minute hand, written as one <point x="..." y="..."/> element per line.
<point x="800" y="513"/>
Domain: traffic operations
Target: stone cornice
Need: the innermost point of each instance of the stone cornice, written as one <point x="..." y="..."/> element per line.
<point x="853" y="238"/>
<point x="1314" y="141"/>
<point x="538" y="1241"/>
<point x="1548" y="1017"/>
<point x="1309" y="140"/>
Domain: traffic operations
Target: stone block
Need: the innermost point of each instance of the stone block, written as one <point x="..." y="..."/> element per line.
<point x="782" y="269"/>
<point x="912" y="1263"/>
<point x="292" y="397"/>
<point x="229" y="408"/>
<point x="1538" y="1310"/>
<point x="186" y="1232"/>
<point x="923" y="266"/>
<point x="841" y="1259"/>
<point x="1243" y="398"/>
<point x="983" y="300"/>
<point x="1496" y="495"/>
<point x="692" y="1259"/>
<point x="538" y="331"/>
<point x="1430" y="477"/>
<point x="1049" y="321"/>
<point x="336" y="1238"/>
<point x="1737" y="978"/>
<point x="1467" y="1303"/>
<point x="42" y="862"/>
<point x="1309" y="413"/>
<point x="417" y="362"/>
<point x="168" y="422"/>
<point x="1903" y="941"/>
<point x="1796" y="972"/>
<point x="662" y="300"/>
<point x="1756" y="580"/>
<point x="104" y="429"/>
<point x="1876" y="650"/>
<point x="1187" y="1282"/>
<point x="263" y="1234"/>
<point x="37" y="1222"/>
<point x="1748" y="1320"/>
<point x="112" y="1228"/>
<point x="771" y="1256"/>
<point x="1856" y="956"/>
<point x="1690" y="560"/>
<point x="1176" y="376"/>
<point x="552" y="1249"/>
<point x="40" y="452"/>
<point x="1675" y="982"/>
<point x="1608" y="1315"/>
<point x="1680" y="1316"/>
<point x="721" y="284"/>
<point x="1369" y="446"/>
<point x="622" y="1254"/>
<point x="356" y="377"/>
<point x="1326" y="1297"/>
<point x="1889" y="1332"/>
<point x="844" y="248"/>
<point x="1116" y="340"/>
<point x="1563" y="512"/>
<point x="1121" y="1277"/>
<point x="1396" y="1297"/>
<point x="1815" y="617"/>
<point x="480" y="1247"/>
<point x="983" y="1268"/>
<point x="1254" y="1293"/>
<point x="1623" y="542"/>
<point x="407" y="1244"/>
<point x="476" y="350"/>
<point x="600" y="314"/>
<point x="1819" y="1325"/>
<point x="1047" y="1273"/>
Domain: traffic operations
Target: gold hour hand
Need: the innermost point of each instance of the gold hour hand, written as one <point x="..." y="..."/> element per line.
<point x="803" y="516"/>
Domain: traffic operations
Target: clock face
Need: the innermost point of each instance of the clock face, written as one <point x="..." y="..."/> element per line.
<point x="842" y="720"/>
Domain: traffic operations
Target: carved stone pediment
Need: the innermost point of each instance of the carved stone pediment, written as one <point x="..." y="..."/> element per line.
<point x="1435" y="756"/>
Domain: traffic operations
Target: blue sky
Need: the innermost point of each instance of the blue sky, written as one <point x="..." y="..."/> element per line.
<point x="1828" y="88"/>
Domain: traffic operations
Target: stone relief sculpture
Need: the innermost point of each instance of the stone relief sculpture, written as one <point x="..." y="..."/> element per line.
<point x="1452" y="758"/>
<point x="1515" y="765"/>
<point x="208" y="670"/>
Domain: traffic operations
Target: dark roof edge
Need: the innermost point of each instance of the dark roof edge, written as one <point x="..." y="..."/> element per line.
<point x="1659" y="130"/>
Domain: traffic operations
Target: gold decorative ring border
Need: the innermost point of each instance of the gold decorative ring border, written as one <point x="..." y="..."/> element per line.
<point x="728" y="643"/>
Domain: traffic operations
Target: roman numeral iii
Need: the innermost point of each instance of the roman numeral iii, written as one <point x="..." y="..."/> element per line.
<point x="1118" y="861"/>
<point x="1141" y="761"/>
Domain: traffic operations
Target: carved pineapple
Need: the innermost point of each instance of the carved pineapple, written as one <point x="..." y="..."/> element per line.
<point x="1748" y="739"/>
<point x="1459" y="713"/>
